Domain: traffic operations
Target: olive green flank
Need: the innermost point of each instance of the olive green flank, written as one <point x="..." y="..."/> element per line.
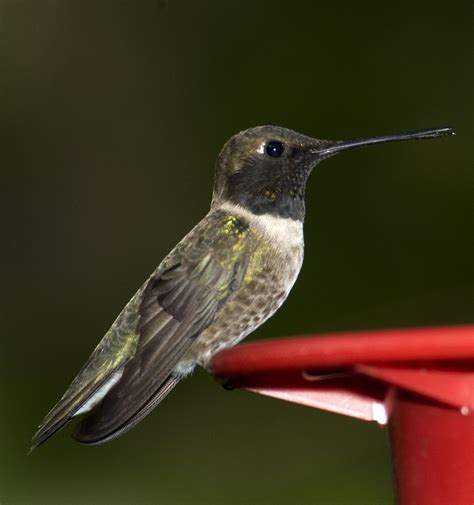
<point x="238" y="239"/>
<point x="232" y="226"/>
<point x="258" y="260"/>
<point x="234" y="236"/>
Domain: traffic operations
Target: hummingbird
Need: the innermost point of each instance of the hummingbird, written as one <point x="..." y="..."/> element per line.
<point x="225" y="278"/>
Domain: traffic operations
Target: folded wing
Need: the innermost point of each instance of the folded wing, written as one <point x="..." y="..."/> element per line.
<point x="154" y="331"/>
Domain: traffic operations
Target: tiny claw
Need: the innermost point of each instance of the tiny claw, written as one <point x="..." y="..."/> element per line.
<point x="225" y="383"/>
<point x="228" y="386"/>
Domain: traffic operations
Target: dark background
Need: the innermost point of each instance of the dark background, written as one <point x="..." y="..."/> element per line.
<point x="112" y="114"/>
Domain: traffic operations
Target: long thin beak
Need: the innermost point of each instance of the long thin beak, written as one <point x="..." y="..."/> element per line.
<point x="343" y="145"/>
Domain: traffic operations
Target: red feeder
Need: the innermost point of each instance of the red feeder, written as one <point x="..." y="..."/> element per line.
<point x="420" y="381"/>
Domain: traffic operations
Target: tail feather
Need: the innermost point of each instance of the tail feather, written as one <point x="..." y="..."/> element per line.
<point x="89" y="431"/>
<point x="74" y="402"/>
<point x="44" y="433"/>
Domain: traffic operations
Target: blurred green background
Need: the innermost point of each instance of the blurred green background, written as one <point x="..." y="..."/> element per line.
<point x="112" y="114"/>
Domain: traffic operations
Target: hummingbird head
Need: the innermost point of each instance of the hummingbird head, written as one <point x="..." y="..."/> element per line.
<point x="265" y="169"/>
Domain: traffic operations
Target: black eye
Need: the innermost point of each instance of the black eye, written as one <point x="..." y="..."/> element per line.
<point x="274" y="149"/>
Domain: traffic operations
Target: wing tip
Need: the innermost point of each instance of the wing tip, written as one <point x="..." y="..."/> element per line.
<point x="79" y="435"/>
<point x="42" y="435"/>
<point x="92" y="431"/>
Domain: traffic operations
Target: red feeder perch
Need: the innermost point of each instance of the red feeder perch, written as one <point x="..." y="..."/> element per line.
<point x="418" y="381"/>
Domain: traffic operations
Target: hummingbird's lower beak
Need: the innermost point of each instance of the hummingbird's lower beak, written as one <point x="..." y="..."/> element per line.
<point x="342" y="145"/>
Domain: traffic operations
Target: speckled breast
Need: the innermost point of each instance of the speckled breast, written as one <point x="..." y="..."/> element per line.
<point x="259" y="297"/>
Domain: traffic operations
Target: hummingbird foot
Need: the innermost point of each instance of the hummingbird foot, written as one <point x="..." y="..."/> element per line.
<point x="228" y="386"/>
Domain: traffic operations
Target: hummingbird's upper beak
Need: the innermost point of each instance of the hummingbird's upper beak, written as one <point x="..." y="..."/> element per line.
<point x="329" y="148"/>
